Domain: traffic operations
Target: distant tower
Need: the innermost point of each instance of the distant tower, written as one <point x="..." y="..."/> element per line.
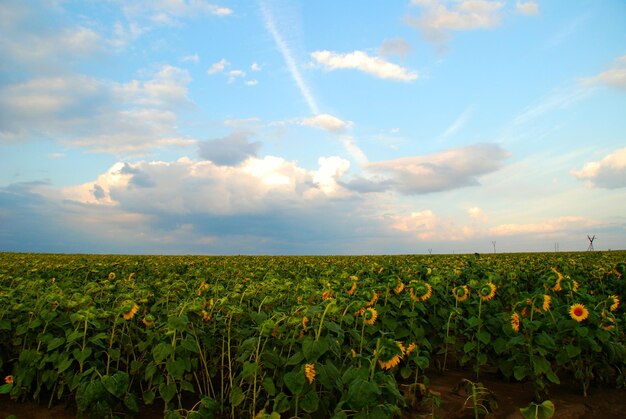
<point x="494" y="246"/>
<point x="591" y="239"/>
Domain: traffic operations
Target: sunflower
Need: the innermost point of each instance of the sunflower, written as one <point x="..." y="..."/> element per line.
<point x="148" y="320"/>
<point x="608" y="321"/>
<point x="372" y="296"/>
<point x="326" y="295"/>
<point x="130" y="310"/>
<point x="568" y="284"/>
<point x="8" y="379"/>
<point x="515" y="321"/>
<point x="578" y="312"/>
<point x="351" y="288"/>
<point x="206" y="316"/>
<point x="615" y="302"/>
<point x="420" y="291"/>
<point x="369" y="316"/>
<point x="461" y="293"/>
<point x="389" y="353"/>
<point x="409" y="350"/>
<point x="556" y="283"/>
<point x="399" y="287"/>
<point x="547" y="300"/>
<point x="305" y="322"/>
<point x="111" y="276"/>
<point x="487" y="291"/>
<point x="309" y="372"/>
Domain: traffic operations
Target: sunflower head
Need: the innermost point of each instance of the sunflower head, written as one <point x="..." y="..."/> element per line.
<point x="350" y="287"/>
<point x="369" y="316"/>
<point x="547" y="300"/>
<point x="399" y="287"/>
<point x="327" y="295"/>
<point x="487" y="291"/>
<point x="578" y="312"/>
<point x="111" y="276"/>
<point x="389" y="353"/>
<point x="8" y="379"/>
<point x="129" y="309"/>
<point x="148" y="320"/>
<point x="515" y="321"/>
<point x="309" y="372"/>
<point x="420" y="290"/>
<point x="568" y="284"/>
<point x="409" y="350"/>
<point x="461" y="293"/>
<point x="614" y="301"/>
<point x="608" y="320"/>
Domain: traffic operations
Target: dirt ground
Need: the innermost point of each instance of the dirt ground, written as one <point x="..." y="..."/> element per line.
<point x="509" y="397"/>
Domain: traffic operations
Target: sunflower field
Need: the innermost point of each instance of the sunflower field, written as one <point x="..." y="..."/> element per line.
<point x="353" y="336"/>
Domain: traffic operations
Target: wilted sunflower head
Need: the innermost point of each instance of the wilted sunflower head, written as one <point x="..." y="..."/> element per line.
<point x="309" y="372"/>
<point x="129" y="309"/>
<point x="420" y="290"/>
<point x="614" y="301"/>
<point x="515" y="321"/>
<point x="547" y="300"/>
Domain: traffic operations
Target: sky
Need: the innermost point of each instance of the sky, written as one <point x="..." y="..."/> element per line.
<point x="312" y="127"/>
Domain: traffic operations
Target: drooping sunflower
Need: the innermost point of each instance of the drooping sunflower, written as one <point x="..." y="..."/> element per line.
<point x="129" y="310"/>
<point x="409" y="350"/>
<point x="8" y="379"/>
<point x="614" y="302"/>
<point x="206" y="316"/>
<point x="554" y="281"/>
<point x="515" y="321"/>
<point x="309" y="372"/>
<point x="461" y="293"/>
<point x="350" y="287"/>
<point x="420" y="291"/>
<point x="547" y="300"/>
<point x="608" y="321"/>
<point x="305" y="322"/>
<point x="569" y="284"/>
<point x="389" y="353"/>
<point x="399" y="287"/>
<point x="327" y="295"/>
<point x="369" y="316"/>
<point x="487" y="291"/>
<point x="148" y="320"/>
<point x="578" y="312"/>
<point x="371" y="296"/>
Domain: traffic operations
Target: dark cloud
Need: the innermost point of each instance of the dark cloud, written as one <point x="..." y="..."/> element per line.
<point x="230" y="150"/>
<point x="363" y="185"/>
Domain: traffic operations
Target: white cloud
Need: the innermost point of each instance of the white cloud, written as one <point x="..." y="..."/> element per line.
<point x="395" y="46"/>
<point x="446" y="170"/>
<point x="251" y="82"/>
<point x="528" y="8"/>
<point x="438" y="18"/>
<point x="478" y="214"/>
<point x="167" y="12"/>
<point x="613" y="77"/>
<point x="194" y="58"/>
<point x="103" y="116"/>
<point x="546" y="228"/>
<point x="328" y="123"/>
<point x="610" y="172"/>
<point x="218" y="67"/>
<point x="459" y="122"/>
<point x="359" y="60"/>
<point x="255" y="67"/>
<point x="234" y="74"/>
<point x="426" y="225"/>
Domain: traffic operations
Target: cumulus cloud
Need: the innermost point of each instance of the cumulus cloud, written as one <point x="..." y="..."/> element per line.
<point x="609" y="173"/>
<point x="427" y="225"/>
<point x="396" y="46"/>
<point x="359" y="60"/>
<point x="98" y="115"/>
<point x="438" y="18"/>
<point x="528" y="8"/>
<point x="230" y="150"/>
<point x="613" y="77"/>
<point x="328" y="123"/>
<point x="446" y="170"/>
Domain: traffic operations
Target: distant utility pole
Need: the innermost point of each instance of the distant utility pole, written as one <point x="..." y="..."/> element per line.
<point x="494" y="246"/>
<point x="430" y="251"/>
<point x="556" y="246"/>
<point x="591" y="239"/>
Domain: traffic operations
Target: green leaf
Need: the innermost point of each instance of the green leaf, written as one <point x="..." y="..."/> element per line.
<point x="310" y="402"/>
<point x="268" y="385"/>
<point x="572" y="351"/>
<point x="167" y="391"/>
<point x="81" y="355"/>
<point x="473" y="321"/>
<point x="236" y="396"/>
<point x="177" y="323"/>
<point x="162" y="351"/>
<point x="148" y="397"/>
<point x="131" y="402"/>
<point x="520" y="372"/>
<point x="499" y="345"/>
<point x="6" y="388"/>
<point x="55" y="343"/>
<point x="544" y="410"/>
<point x="117" y="383"/>
<point x="64" y="364"/>
<point x="328" y="376"/>
<point x="405" y="372"/>
<point x="362" y="393"/>
<point x="281" y="403"/>
<point x="545" y="340"/>
<point x="249" y="370"/>
<point x="468" y="347"/>
<point x="484" y="336"/>
<point x="176" y="368"/>
<point x="295" y="381"/>
<point x="540" y="365"/>
<point x="313" y="349"/>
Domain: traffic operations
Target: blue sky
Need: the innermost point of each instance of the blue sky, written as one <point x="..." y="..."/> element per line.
<point x="299" y="127"/>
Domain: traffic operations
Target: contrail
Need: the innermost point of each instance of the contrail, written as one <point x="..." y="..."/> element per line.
<point x="268" y="19"/>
